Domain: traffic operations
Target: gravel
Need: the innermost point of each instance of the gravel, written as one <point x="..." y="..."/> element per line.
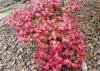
<point x="14" y="57"/>
<point x="90" y="24"/>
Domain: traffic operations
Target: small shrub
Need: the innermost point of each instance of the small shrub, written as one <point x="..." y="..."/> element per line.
<point x="51" y="26"/>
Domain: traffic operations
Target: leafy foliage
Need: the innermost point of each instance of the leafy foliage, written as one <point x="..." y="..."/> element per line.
<point x="51" y="26"/>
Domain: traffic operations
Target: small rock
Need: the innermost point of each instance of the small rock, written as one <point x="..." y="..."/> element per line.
<point x="89" y="67"/>
<point x="98" y="62"/>
<point x="20" y="50"/>
<point x="13" y="70"/>
<point x="29" y="62"/>
<point x="22" y="64"/>
<point x="98" y="52"/>
<point x="1" y="65"/>
<point x="33" y="67"/>
<point x="5" y="47"/>
<point x="95" y="58"/>
<point x="90" y="45"/>
<point x="1" y="68"/>
<point x="20" y="57"/>
<point x="84" y="66"/>
<point x="23" y="69"/>
<point x="98" y="57"/>
<point x="8" y="52"/>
